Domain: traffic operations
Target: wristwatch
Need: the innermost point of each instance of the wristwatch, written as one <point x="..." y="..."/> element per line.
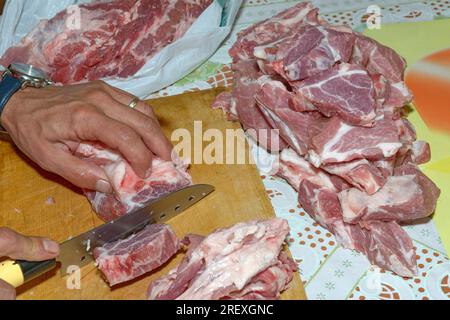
<point x="16" y="77"/>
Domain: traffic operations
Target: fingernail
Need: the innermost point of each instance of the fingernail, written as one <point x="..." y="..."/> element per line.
<point x="103" y="186"/>
<point x="51" y="246"/>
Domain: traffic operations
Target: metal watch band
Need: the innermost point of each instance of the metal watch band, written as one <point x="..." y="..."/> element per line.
<point x="8" y="86"/>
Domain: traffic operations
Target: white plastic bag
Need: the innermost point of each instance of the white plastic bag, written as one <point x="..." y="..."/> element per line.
<point x="168" y="66"/>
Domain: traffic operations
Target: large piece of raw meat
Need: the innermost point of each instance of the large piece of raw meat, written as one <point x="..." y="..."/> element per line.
<point x="140" y="253"/>
<point x="131" y="192"/>
<point x="244" y="261"/>
<point x="336" y="98"/>
<point x="105" y="38"/>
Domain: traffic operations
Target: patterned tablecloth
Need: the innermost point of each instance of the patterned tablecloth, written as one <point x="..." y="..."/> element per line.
<point x="328" y="270"/>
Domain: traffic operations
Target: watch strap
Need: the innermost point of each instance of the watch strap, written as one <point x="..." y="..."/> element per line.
<point x="8" y="86"/>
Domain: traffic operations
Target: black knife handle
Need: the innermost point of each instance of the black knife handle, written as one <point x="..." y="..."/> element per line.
<point x="19" y="272"/>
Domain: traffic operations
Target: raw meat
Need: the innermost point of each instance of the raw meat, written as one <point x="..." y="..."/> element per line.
<point x="236" y="262"/>
<point x="224" y="101"/>
<point x="294" y="169"/>
<point x="385" y="244"/>
<point x="344" y="90"/>
<point x="336" y="98"/>
<point x="246" y="85"/>
<point x="341" y="142"/>
<point x="114" y="38"/>
<point x="321" y="203"/>
<point x="274" y="102"/>
<point x="361" y="174"/>
<point x="378" y="59"/>
<point x="268" y="284"/>
<point x="140" y="253"/>
<point x="407" y="195"/>
<point x="308" y="51"/>
<point x="130" y="191"/>
<point x="269" y="30"/>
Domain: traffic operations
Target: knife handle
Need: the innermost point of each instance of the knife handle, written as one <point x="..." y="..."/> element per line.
<point x="19" y="272"/>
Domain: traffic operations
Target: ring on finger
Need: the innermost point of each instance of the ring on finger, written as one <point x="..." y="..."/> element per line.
<point x="133" y="104"/>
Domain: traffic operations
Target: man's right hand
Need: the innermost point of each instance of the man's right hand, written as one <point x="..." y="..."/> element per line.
<point x="48" y="125"/>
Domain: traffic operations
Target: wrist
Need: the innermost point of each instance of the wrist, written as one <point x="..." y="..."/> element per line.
<point x="13" y="103"/>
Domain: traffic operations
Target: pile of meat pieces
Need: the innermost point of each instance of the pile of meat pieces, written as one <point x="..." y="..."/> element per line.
<point x="244" y="261"/>
<point x="336" y="99"/>
<point x="105" y="38"/>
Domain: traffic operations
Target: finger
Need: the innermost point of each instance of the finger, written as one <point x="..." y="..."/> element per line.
<point x="82" y="173"/>
<point x="118" y="136"/>
<point x="114" y="103"/>
<point x="125" y="99"/>
<point x="146" y="127"/>
<point x="7" y="292"/>
<point x="19" y="247"/>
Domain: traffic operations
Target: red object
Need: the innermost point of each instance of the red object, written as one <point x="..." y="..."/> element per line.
<point x="143" y="252"/>
<point x="131" y="191"/>
<point x="102" y="39"/>
<point x="241" y="262"/>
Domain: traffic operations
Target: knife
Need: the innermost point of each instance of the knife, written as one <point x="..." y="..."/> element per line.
<point x="77" y="252"/>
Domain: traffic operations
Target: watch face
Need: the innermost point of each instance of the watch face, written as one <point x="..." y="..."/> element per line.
<point x="28" y="70"/>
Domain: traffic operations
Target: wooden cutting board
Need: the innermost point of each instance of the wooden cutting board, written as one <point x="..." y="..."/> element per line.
<point x="25" y="188"/>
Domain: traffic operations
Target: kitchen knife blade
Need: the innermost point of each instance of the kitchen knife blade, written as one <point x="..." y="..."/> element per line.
<point x="77" y="252"/>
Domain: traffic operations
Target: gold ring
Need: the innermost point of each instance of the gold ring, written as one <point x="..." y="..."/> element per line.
<point x="133" y="103"/>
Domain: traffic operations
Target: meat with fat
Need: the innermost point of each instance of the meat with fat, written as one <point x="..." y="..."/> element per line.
<point x="407" y="195"/>
<point x="130" y="191"/>
<point x="112" y="38"/>
<point x="235" y="262"/>
<point x="127" y="259"/>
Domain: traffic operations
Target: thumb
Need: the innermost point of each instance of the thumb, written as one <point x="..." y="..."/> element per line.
<point x="7" y="292"/>
<point x="82" y="173"/>
<point x="19" y="247"/>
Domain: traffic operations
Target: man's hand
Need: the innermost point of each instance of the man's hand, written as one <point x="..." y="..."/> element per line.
<point x="18" y="247"/>
<point x="48" y="125"/>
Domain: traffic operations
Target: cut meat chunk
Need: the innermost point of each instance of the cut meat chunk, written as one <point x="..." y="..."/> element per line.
<point x="130" y="191"/>
<point x="273" y="100"/>
<point x="246" y="86"/>
<point x="385" y="244"/>
<point x="321" y="203"/>
<point x="361" y="174"/>
<point x="115" y="38"/>
<point x="127" y="259"/>
<point x="399" y="96"/>
<point x="308" y="51"/>
<point x="378" y="59"/>
<point x="271" y="29"/>
<point x="390" y="247"/>
<point x="407" y="195"/>
<point x="344" y="90"/>
<point x="420" y="152"/>
<point x="228" y="263"/>
<point x="294" y="169"/>
<point x="268" y="284"/>
<point x="340" y="142"/>
<point x="224" y="101"/>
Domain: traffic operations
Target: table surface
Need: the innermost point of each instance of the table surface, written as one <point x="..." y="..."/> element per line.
<point x="24" y="190"/>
